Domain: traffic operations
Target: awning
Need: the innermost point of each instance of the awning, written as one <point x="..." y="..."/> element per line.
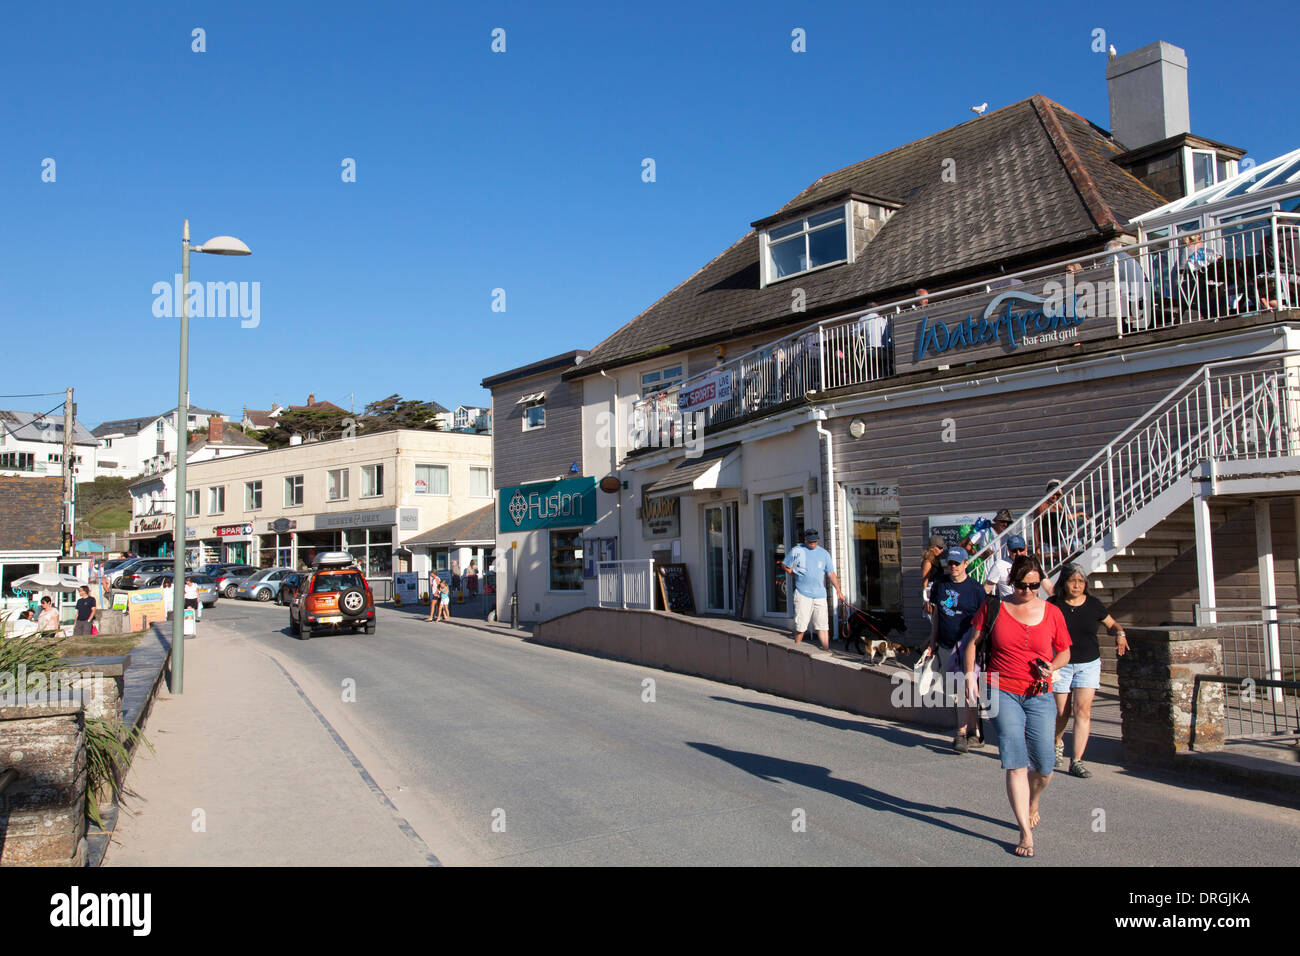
<point x="716" y="469"/>
<point x="532" y="399"/>
<point x="475" y="528"/>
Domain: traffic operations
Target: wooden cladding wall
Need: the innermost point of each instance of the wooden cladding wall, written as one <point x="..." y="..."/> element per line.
<point x="1003" y="449"/>
<point x="522" y="456"/>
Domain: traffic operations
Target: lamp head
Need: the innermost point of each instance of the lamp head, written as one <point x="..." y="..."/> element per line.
<point x="224" y="246"/>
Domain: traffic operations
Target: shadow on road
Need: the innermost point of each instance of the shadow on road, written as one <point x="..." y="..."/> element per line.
<point x="775" y="769"/>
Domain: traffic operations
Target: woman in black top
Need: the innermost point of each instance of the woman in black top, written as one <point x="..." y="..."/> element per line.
<point x="1082" y="676"/>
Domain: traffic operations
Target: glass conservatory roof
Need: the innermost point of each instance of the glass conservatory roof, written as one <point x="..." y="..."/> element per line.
<point x="1285" y="169"/>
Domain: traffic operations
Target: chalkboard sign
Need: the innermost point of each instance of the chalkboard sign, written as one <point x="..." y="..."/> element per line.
<point x="675" y="586"/>
<point x="742" y="585"/>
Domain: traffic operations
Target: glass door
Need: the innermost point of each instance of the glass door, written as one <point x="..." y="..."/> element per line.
<point x="720" y="557"/>
<point x="783" y="524"/>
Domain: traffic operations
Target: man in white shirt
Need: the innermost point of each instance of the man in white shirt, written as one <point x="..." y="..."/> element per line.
<point x="998" y="580"/>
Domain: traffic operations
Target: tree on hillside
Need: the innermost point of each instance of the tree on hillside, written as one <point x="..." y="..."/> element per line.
<point x="397" y="412"/>
<point x="313" y="424"/>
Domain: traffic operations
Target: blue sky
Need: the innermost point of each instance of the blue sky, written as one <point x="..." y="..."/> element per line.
<point x="477" y="170"/>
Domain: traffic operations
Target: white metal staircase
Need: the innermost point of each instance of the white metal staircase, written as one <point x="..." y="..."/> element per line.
<point x="1232" y="427"/>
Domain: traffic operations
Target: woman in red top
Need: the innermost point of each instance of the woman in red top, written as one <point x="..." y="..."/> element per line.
<point x="1025" y="629"/>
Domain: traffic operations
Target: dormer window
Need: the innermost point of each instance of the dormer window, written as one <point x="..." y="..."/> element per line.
<point x="811" y="242"/>
<point x="1205" y="167"/>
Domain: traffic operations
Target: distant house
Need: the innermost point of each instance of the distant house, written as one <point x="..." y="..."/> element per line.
<point x="32" y="444"/>
<point x="127" y="445"/>
<point x="31" y="528"/>
<point x="257" y="420"/>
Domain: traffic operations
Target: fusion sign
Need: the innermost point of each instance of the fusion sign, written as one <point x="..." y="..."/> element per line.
<point x="570" y="503"/>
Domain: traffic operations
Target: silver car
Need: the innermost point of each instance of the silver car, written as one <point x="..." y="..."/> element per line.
<point x="264" y="585"/>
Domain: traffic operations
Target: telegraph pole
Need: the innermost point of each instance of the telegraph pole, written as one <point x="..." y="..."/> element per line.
<point x="69" y="476"/>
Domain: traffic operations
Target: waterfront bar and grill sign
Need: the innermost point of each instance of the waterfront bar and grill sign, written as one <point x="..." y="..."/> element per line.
<point x="709" y="391"/>
<point x="661" y="517"/>
<point x="569" y="503"/>
<point x="1006" y="321"/>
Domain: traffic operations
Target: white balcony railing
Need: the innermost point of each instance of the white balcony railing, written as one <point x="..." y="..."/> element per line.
<point x="1245" y="267"/>
<point x="625" y="584"/>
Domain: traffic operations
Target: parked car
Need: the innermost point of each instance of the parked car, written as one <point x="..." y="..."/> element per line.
<point x="228" y="581"/>
<point x="207" y="585"/>
<point x="110" y="578"/>
<point x="289" y="588"/>
<point x="135" y="575"/>
<point x="263" y="585"/>
<point x="334" y="596"/>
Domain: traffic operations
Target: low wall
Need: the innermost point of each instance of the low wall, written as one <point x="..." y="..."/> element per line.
<point x="693" y="646"/>
<point x="1157" y="678"/>
<point x="43" y="812"/>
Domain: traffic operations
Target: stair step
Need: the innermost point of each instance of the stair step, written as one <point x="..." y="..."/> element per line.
<point x="1152" y="549"/>
<point x="1131" y="564"/>
<point x="1114" y="581"/>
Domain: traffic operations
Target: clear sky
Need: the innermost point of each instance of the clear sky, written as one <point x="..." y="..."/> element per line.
<point x="477" y="171"/>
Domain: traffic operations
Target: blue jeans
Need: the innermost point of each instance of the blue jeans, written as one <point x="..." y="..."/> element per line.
<point x="1026" y="731"/>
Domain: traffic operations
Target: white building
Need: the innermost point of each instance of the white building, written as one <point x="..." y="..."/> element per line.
<point x="127" y="445"/>
<point x="32" y="444"/>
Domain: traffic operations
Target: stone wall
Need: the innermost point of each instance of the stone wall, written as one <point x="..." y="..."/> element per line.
<point x="42" y="813"/>
<point x="1157" y="679"/>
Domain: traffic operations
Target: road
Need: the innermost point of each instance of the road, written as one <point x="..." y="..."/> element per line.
<point x="502" y="752"/>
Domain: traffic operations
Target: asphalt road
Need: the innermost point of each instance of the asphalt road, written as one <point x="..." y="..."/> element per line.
<point x="502" y="752"/>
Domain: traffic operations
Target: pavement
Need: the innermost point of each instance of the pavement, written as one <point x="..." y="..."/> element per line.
<point x="428" y="743"/>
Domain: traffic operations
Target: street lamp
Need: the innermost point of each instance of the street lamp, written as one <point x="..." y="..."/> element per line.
<point x="218" y="246"/>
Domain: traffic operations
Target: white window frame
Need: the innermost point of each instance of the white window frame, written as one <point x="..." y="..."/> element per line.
<point x="768" y="274"/>
<point x="340" y="490"/>
<point x="1189" y="168"/>
<point x="377" y="480"/>
<point x="528" y="408"/>
<point x="217" y="496"/>
<point x="253" y="494"/>
<point x="487" y="482"/>
<point x="194" y="502"/>
<point x="294" y="487"/>
<point x="446" y="470"/>
<point x="668" y="377"/>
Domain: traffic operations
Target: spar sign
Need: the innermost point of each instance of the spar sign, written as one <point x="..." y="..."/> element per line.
<point x="712" y="391"/>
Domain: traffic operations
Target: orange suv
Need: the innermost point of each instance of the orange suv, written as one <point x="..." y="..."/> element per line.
<point x="334" y="596"/>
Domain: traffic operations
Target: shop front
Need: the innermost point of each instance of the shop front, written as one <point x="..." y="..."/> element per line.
<point x="151" y="535"/>
<point x="541" y="534"/>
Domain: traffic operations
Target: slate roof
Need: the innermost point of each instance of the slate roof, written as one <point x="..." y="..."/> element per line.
<point x="27" y="427"/>
<point x="477" y="526"/>
<point x="31" y="514"/>
<point x="132" y="426"/>
<point x="1032" y="182"/>
<point x="259" y="418"/>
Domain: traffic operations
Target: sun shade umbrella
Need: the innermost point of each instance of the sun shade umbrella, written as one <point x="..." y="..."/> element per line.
<point x="89" y="546"/>
<point x="48" y="582"/>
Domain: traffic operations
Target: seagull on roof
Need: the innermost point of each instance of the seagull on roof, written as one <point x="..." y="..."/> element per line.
<point x="1112" y="52"/>
<point x="979" y="110"/>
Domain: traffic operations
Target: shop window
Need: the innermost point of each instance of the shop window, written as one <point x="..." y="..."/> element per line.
<point x="293" y="491"/>
<point x="217" y="500"/>
<point x="431" y="480"/>
<point x="875" y="547"/>
<point x="480" y="483"/>
<point x="817" y="240"/>
<point x="566" y="560"/>
<point x="372" y="481"/>
<point x="252" y="496"/>
<point x="336" y="484"/>
<point x="9" y="573"/>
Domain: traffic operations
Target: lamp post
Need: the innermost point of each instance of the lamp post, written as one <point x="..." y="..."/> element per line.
<point x="220" y="246"/>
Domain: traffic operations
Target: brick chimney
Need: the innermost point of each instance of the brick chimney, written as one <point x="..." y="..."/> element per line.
<point x="215" y="427"/>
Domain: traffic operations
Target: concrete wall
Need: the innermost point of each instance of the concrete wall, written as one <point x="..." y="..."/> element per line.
<point x="692" y="646"/>
<point x="42" y="814"/>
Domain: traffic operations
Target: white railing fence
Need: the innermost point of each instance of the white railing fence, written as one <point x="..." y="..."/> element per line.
<point x="1228" y="411"/>
<point x="625" y="584"/>
<point x="1240" y="268"/>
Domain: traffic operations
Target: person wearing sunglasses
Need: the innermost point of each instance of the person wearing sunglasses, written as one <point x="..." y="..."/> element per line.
<point x="1080" y="678"/>
<point x="955" y="600"/>
<point x="1020" y="636"/>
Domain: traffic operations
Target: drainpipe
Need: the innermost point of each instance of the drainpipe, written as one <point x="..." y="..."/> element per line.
<point x="819" y="415"/>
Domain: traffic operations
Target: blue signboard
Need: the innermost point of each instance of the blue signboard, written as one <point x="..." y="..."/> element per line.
<point x="1011" y="319"/>
<point x="569" y="503"/>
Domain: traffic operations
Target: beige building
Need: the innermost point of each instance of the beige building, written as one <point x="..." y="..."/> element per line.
<point x="367" y="494"/>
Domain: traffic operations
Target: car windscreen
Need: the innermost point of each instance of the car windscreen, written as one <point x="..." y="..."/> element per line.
<point x="332" y="583"/>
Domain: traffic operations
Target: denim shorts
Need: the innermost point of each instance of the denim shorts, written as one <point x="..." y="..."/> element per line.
<point x="1026" y="731"/>
<point x="1083" y="676"/>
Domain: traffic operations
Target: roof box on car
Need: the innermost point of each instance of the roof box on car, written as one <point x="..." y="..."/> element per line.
<point x="333" y="559"/>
